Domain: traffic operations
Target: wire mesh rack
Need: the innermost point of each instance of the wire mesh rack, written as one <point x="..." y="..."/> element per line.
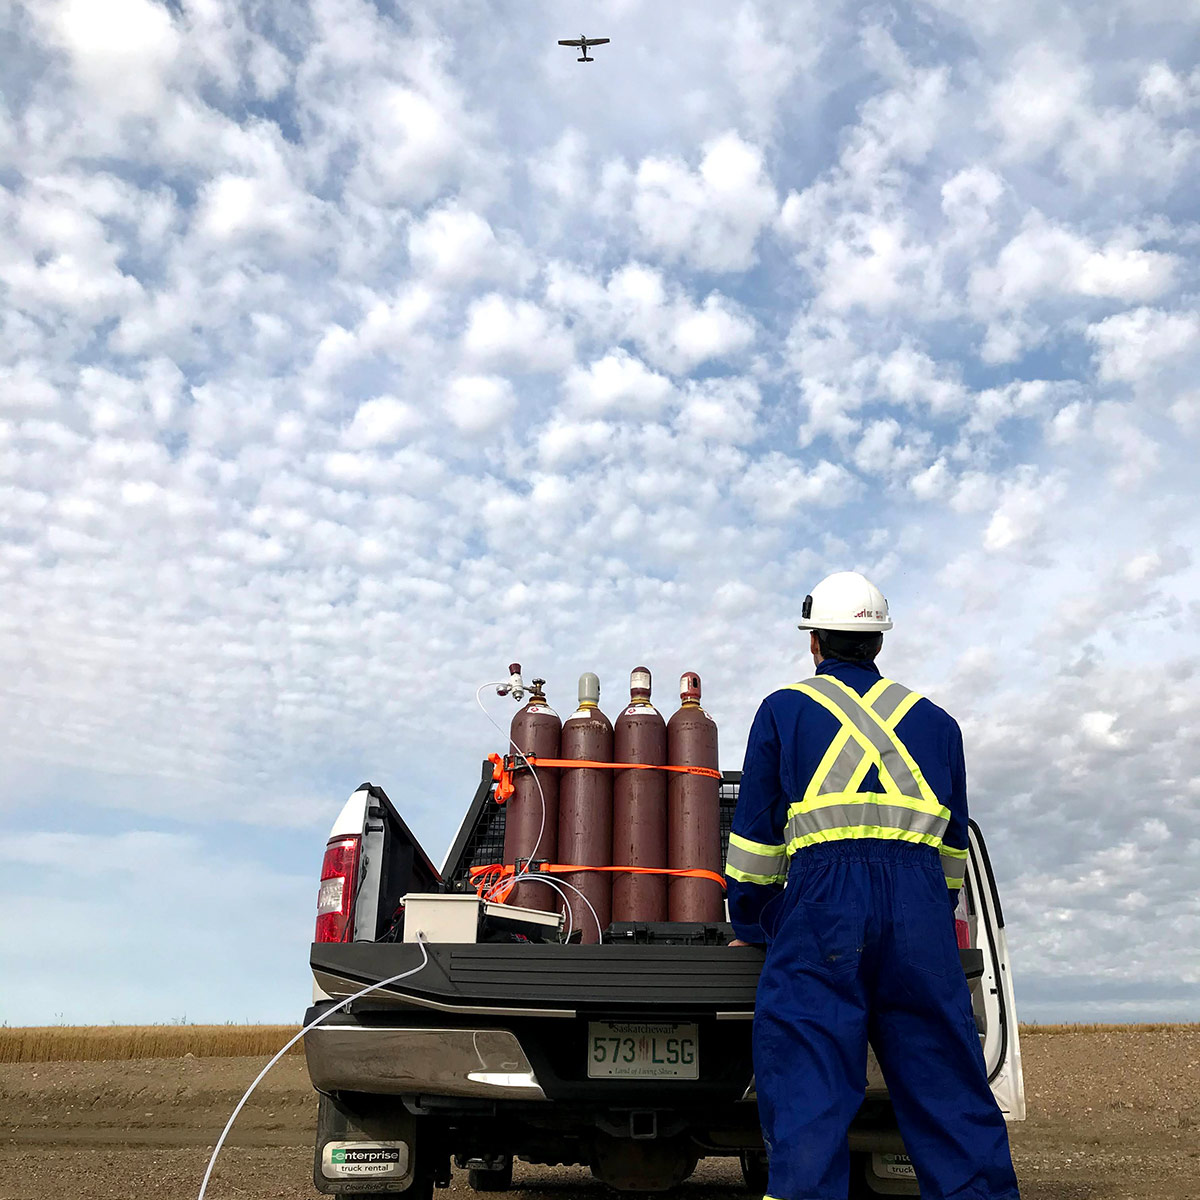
<point x="484" y="842"/>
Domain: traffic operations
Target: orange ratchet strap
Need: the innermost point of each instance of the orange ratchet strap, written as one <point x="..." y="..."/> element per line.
<point x="503" y="767"/>
<point x="490" y="878"/>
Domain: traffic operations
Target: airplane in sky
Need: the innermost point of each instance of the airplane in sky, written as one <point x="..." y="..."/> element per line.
<point x="584" y="43"/>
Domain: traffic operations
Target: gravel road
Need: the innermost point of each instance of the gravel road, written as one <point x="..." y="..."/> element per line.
<point x="1113" y="1116"/>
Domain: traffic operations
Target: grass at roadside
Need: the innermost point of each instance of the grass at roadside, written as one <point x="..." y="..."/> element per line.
<point x="96" y="1043"/>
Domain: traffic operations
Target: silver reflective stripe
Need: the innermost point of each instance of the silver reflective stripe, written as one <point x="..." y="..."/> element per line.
<point x="865" y="812"/>
<point x="766" y="865"/>
<point x="954" y="867"/>
<point x="890" y="700"/>
<point x="838" y="777"/>
<point x="857" y="716"/>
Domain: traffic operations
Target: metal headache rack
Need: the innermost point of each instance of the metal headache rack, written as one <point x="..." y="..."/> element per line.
<point x="480" y="841"/>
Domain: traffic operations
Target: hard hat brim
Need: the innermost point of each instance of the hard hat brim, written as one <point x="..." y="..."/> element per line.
<point x="848" y="626"/>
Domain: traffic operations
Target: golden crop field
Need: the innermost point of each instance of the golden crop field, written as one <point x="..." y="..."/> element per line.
<point x="94" y="1043"/>
<point x="97" y="1043"/>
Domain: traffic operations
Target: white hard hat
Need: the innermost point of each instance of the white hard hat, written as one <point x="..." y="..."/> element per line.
<point x="847" y="602"/>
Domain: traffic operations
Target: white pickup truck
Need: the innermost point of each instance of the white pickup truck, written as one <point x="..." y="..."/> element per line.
<point x="503" y="1048"/>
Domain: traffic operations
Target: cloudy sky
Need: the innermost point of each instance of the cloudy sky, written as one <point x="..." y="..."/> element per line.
<point x="350" y="351"/>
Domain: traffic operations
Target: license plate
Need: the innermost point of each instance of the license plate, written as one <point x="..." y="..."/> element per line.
<point x="893" y="1166"/>
<point x="641" y="1050"/>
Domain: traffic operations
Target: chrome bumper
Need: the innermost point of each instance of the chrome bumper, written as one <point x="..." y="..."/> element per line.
<point x="488" y="1063"/>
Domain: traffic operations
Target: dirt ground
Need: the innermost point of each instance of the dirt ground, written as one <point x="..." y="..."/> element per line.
<point x="1112" y="1116"/>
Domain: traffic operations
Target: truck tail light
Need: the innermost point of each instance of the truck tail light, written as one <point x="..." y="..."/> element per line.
<point x="335" y="900"/>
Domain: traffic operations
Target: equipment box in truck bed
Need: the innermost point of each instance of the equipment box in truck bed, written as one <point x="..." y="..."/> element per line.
<point x="632" y="1057"/>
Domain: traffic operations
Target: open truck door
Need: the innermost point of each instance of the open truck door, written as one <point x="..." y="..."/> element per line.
<point x="992" y="992"/>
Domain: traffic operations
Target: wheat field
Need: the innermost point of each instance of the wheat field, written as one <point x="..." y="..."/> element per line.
<point x="98" y="1043"/>
<point x="94" y="1043"/>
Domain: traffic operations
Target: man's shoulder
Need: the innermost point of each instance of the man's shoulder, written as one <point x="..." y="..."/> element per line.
<point x="789" y="693"/>
<point x="929" y="710"/>
<point x="792" y="694"/>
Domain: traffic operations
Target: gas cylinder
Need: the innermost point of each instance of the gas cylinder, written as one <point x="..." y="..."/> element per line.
<point x="530" y="831"/>
<point x="640" y="807"/>
<point x="585" y="807"/>
<point x="693" y="809"/>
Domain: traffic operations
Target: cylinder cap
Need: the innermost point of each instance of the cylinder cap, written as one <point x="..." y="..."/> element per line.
<point x="589" y="688"/>
<point x="639" y="683"/>
<point x="689" y="687"/>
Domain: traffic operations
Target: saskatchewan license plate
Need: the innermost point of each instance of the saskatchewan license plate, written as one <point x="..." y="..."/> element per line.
<point x="641" y="1050"/>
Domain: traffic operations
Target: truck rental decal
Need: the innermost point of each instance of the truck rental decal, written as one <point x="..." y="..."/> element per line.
<point x="353" y="1160"/>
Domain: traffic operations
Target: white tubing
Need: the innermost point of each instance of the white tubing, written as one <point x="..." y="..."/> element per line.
<point x="521" y="753"/>
<point x="527" y="876"/>
<point x="595" y="915"/>
<point x="374" y="987"/>
<point x="556" y="883"/>
<point x="541" y="795"/>
<point x="534" y="876"/>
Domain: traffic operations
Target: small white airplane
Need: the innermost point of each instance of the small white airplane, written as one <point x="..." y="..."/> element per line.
<point x="584" y="44"/>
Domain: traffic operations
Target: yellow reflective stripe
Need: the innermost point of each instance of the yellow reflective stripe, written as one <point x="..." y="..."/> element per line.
<point x="876" y="812"/>
<point x="860" y="773"/>
<point x="901" y="748"/>
<point x="851" y="832"/>
<point x="889" y="698"/>
<point x="853" y="731"/>
<point x="750" y="877"/>
<point x="901" y="710"/>
<point x="736" y="839"/>
<point x="954" y="866"/>
<point x="756" y="862"/>
<point x="875" y="739"/>
<point x="935" y="809"/>
<point x="869" y="748"/>
<point x="826" y="764"/>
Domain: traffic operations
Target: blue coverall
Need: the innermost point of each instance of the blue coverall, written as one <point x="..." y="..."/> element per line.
<point x="861" y="946"/>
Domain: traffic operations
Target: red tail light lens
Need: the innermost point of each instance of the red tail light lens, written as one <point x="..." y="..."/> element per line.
<point x="962" y="924"/>
<point x="335" y="900"/>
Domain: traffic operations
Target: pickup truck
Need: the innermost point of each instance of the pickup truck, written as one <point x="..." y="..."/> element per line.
<point x="631" y="1057"/>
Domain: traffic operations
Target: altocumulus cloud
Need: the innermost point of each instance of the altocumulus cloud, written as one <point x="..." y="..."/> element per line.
<point x="348" y="357"/>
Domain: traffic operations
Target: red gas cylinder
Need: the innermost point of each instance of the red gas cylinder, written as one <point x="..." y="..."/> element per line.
<point x="585" y="808"/>
<point x="531" y="822"/>
<point x="640" y="807"/>
<point x="693" y="809"/>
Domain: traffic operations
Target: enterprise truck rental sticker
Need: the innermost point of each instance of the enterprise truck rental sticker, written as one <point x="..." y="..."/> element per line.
<point x="364" y="1160"/>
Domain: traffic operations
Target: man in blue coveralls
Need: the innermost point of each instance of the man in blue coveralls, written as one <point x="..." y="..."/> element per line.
<point x="848" y="849"/>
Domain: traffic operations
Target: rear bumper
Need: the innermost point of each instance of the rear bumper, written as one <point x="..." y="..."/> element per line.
<point x="445" y="1062"/>
<point x="398" y="1060"/>
<point x="473" y="1022"/>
